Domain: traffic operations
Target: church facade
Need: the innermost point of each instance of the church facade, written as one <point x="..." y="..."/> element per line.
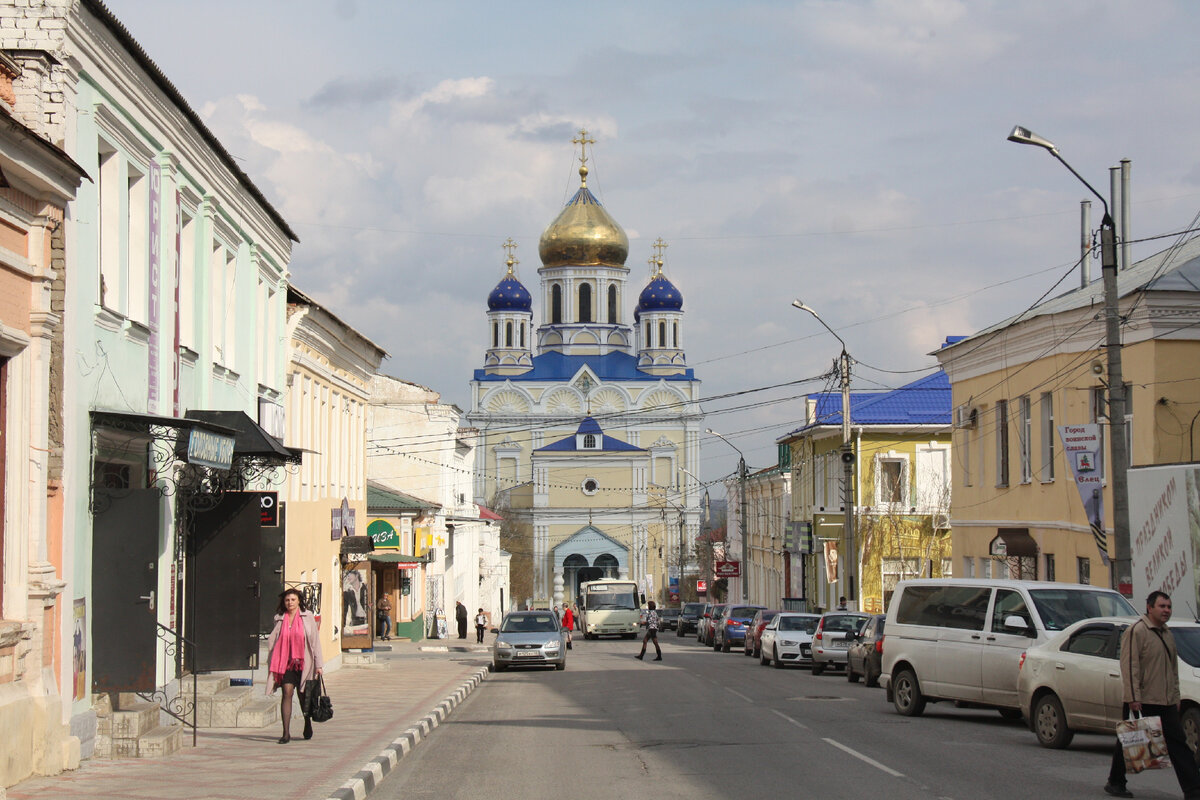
<point x="589" y="420"/>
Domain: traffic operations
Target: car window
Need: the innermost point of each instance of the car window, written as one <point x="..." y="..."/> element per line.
<point x="743" y="612"/>
<point x="693" y="608"/>
<point x="843" y="623"/>
<point x="1010" y="604"/>
<point x="806" y="624"/>
<point x="1060" y="608"/>
<point x="963" y="607"/>
<point x="773" y="625"/>
<point x="869" y="628"/>
<point x="1092" y="641"/>
<point x="1187" y="642"/>
<point x="530" y="623"/>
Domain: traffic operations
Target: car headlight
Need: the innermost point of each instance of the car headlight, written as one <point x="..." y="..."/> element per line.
<point x="787" y="643"/>
<point x="552" y="645"/>
<point x="503" y="645"/>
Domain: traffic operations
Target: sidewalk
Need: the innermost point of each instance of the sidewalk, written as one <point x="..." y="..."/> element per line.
<point x="380" y="712"/>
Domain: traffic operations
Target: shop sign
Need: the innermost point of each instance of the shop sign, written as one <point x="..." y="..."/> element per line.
<point x="383" y="534"/>
<point x="728" y="569"/>
<point x="210" y="449"/>
<point x="268" y="504"/>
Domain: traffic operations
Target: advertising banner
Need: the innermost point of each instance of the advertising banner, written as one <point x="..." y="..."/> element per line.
<point x="1083" y="446"/>
<point x="1164" y="533"/>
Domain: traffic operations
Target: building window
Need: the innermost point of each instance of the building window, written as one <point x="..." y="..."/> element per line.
<point x="508" y="334"/>
<point x="891" y="481"/>
<point x="662" y="334"/>
<point x="968" y="566"/>
<point x="1024" y="437"/>
<point x="589" y="441"/>
<point x="1085" y="570"/>
<point x="612" y="305"/>
<point x="107" y="227"/>
<point x="522" y="334"/>
<point x="1048" y="434"/>
<point x="675" y="335"/>
<point x="590" y="486"/>
<point x="555" y="304"/>
<point x="187" y="281"/>
<point x="137" y="243"/>
<point x="495" y="334"/>
<point x="647" y="343"/>
<point x="1001" y="443"/>
<point x="1050" y="571"/>
<point x="585" y="303"/>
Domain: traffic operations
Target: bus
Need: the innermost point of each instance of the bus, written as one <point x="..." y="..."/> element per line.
<point x="609" y="608"/>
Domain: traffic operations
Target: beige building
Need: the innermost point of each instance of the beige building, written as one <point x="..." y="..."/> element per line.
<point x="1016" y="511"/>
<point x="329" y="374"/>
<point x="769" y="571"/>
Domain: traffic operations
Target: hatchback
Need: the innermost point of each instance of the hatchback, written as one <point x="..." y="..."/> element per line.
<point x="865" y="655"/>
<point x="831" y="641"/>
<point x="529" y="638"/>
<point x="730" y="629"/>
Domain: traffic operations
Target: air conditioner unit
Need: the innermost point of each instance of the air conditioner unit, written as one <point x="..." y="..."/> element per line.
<point x="966" y="417"/>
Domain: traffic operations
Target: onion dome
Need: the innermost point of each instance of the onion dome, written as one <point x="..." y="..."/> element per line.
<point x="510" y="294"/>
<point x="583" y="234"/>
<point x="659" y="295"/>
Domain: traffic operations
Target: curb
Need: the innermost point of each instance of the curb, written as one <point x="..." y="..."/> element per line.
<point x="368" y="778"/>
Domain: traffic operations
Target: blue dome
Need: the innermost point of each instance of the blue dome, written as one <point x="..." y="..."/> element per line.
<point x="510" y="294"/>
<point x="660" y="295"/>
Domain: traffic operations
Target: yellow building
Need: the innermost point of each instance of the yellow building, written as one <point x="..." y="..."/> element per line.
<point x="901" y="479"/>
<point x="589" y="361"/>
<point x="1016" y="511"/>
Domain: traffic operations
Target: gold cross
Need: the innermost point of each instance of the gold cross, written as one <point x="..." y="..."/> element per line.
<point x="583" y="141"/>
<point x="659" y="246"/>
<point x="509" y="246"/>
<point x="653" y="262"/>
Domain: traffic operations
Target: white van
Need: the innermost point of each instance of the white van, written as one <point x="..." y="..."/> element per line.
<point x="961" y="639"/>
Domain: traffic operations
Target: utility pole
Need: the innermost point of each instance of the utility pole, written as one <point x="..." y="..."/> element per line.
<point x="741" y="510"/>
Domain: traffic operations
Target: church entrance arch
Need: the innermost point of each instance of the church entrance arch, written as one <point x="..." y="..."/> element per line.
<point x="573" y="565"/>
<point x="587" y="555"/>
<point x="608" y="564"/>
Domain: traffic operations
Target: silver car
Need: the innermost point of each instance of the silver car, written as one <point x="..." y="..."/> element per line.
<point x="831" y="643"/>
<point x="529" y="638"/>
<point x="787" y="639"/>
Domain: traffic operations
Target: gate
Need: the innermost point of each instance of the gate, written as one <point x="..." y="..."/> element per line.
<point x="223" y="576"/>
<point x="125" y="528"/>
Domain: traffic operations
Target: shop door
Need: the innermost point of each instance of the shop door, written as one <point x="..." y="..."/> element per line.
<point x="226" y="551"/>
<point x="270" y="572"/>
<point x="124" y="580"/>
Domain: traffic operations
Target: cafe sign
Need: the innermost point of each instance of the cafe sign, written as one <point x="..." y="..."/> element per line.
<point x="209" y="449"/>
<point x="383" y="534"/>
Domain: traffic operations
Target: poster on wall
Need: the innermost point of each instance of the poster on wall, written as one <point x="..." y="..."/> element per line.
<point x="1164" y="528"/>
<point x="79" y="650"/>
<point x="1083" y="446"/>
<point x="355" y="599"/>
<point x="831" y="562"/>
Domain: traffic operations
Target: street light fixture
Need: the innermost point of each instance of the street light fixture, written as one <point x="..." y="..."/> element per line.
<point x="741" y="511"/>
<point x="1116" y="387"/>
<point x="847" y="458"/>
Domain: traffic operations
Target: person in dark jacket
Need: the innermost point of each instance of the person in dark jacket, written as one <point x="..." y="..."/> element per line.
<point x="460" y="614"/>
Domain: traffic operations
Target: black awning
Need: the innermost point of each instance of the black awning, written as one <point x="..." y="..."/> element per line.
<point x="250" y="440"/>
<point x="133" y="422"/>
<point x="1013" y="542"/>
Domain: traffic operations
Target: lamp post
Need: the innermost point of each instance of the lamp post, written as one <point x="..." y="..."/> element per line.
<point x="851" y="563"/>
<point x="741" y="511"/>
<point x="1122" y="572"/>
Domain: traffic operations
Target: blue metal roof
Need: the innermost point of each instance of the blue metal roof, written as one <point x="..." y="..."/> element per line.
<point x="554" y="366"/>
<point x="659" y="294"/>
<point x="925" y="401"/>
<point x="510" y="293"/>
<point x="589" y="425"/>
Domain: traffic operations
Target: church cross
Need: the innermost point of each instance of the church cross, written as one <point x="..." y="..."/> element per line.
<point x="583" y="141"/>
<point x="509" y="246"/>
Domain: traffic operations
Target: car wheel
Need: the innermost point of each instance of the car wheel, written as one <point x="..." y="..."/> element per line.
<point x="851" y="675"/>
<point x="498" y="667"/>
<point x="1050" y="723"/>
<point x="906" y="694"/>
<point x="725" y="646"/>
<point x="871" y="678"/>
<point x="817" y="669"/>
<point x="763" y="660"/>
<point x="1191" y="727"/>
<point x="1010" y="713"/>
<point x="716" y="646"/>
<point x="778" y="662"/>
<point x="560" y="666"/>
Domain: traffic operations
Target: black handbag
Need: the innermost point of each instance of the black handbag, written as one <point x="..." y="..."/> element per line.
<point x="317" y="704"/>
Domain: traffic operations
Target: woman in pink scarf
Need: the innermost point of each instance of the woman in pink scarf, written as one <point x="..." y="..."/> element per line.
<point x="295" y="656"/>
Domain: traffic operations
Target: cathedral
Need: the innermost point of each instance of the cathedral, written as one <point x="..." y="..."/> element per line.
<point x="589" y="422"/>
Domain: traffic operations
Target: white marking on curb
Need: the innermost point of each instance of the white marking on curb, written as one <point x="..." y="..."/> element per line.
<point x="864" y="758"/>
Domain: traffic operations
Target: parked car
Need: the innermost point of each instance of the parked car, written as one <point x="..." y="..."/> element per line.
<point x="529" y="638"/>
<point x="704" y="623"/>
<point x="1073" y="681"/>
<point x="832" y="639"/>
<point x="711" y="623"/>
<point x="752" y="645"/>
<point x="689" y="616"/>
<point x="668" y="619"/>
<point x="787" y="639"/>
<point x="731" y="629"/>
<point x="865" y="656"/>
<point x="961" y="639"/>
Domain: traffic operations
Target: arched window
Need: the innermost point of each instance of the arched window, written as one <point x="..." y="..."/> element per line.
<point x="612" y="305"/>
<point x="508" y="334"/>
<point x="522" y="334"/>
<point x="495" y="334"/>
<point x="662" y="334"/>
<point x="555" y="304"/>
<point x="676" y="335"/>
<point x="589" y="441"/>
<point x="585" y="303"/>
<point x="647" y="342"/>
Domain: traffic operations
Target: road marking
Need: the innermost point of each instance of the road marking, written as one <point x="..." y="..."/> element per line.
<point x="789" y="719"/>
<point x="867" y="759"/>
<point x="739" y="694"/>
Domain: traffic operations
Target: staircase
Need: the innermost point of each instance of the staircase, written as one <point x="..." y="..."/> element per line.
<point x="220" y="705"/>
<point x="134" y="730"/>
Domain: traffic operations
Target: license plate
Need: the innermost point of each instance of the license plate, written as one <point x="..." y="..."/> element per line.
<point x="805" y="650"/>
<point x="842" y="645"/>
<point x="529" y="654"/>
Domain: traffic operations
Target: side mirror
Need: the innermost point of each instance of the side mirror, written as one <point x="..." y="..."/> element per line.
<point x="1017" y="624"/>
<point x="495" y="630"/>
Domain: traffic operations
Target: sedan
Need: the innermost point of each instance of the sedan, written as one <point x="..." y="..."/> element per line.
<point x="831" y="641"/>
<point x="787" y="639"/>
<point x="731" y="628"/>
<point x="529" y="638"/>
<point x="1073" y="682"/>
<point x="865" y="655"/>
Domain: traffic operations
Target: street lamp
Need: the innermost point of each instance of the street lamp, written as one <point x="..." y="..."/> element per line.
<point x="851" y="563"/>
<point x="741" y="511"/>
<point x="1116" y="386"/>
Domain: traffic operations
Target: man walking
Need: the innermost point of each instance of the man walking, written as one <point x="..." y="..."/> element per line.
<point x="651" y="633"/>
<point x="1150" y="677"/>
<point x="480" y="624"/>
<point x="460" y="616"/>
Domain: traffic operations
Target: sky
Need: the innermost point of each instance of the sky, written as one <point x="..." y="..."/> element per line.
<point x="852" y="154"/>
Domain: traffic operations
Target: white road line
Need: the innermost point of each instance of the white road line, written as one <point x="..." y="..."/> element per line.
<point x="739" y="694"/>
<point x="789" y="719"/>
<point x="861" y="757"/>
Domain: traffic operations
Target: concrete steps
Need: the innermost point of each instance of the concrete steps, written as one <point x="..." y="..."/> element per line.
<point x="133" y="731"/>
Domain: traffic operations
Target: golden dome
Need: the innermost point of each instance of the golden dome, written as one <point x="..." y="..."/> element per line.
<point x="583" y="234"/>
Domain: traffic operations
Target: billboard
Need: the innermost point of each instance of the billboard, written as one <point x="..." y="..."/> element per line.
<point x="1164" y="533"/>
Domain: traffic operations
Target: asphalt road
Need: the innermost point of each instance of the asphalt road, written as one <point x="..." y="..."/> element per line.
<point x="701" y="724"/>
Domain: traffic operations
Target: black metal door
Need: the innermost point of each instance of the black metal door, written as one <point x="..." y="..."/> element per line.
<point x="270" y="573"/>
<point x="224" y="576"/>
<point x="124" y="579"/>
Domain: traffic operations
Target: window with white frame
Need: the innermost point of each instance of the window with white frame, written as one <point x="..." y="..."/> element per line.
<point x="891" y="480"/>
<point x="108" y="230"/>
<point x="1083" y="570"/>
<point x="1048" y="563"/>
<point x="1048" y="436"/>
<point x="932" y="478"/>
<point x="187" y="280"/>
<point x="895" y="570"/>
<point x="137" y="242"/>
<point x="968" y="566"/>
<point x="1001" y="443"/>
<point x="1025" y="437"/>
